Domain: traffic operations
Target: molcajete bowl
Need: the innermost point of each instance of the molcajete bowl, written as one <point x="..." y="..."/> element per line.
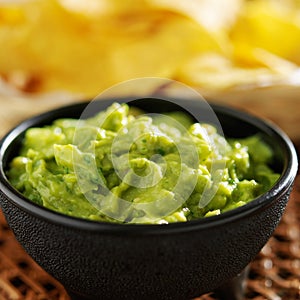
<point x="95" y="260"/>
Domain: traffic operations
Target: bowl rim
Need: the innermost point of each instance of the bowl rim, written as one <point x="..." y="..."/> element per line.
<point x="281" y="187"/>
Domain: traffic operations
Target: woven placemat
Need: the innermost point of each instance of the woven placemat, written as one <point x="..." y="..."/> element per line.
<point x="273" y="275"/>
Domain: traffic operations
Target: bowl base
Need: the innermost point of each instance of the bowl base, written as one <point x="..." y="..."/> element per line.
<point x="234" y="289"/>
<point x="75" y="296"/>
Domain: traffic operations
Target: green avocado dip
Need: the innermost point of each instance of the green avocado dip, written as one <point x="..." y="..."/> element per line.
<point x="124" y="167"/>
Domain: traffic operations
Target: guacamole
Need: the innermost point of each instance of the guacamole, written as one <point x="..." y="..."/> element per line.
<point x="148" y="168"/>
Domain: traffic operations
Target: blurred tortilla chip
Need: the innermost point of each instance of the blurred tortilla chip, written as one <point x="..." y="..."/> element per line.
<point x="216" y="72"/>
<point x="270" y="25"/>
<point x="85" y="47"/>
<point x="70" y="51"/>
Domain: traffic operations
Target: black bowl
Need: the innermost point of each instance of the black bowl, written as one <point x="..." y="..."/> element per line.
<point x="176" y="261"/>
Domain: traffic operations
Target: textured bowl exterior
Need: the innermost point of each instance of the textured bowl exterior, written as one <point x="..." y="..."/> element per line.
<point x="171" y="266"/>
<point x="176" y="261"/>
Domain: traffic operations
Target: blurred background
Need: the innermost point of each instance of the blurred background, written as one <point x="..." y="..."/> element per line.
<point x="244" y="53"/>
